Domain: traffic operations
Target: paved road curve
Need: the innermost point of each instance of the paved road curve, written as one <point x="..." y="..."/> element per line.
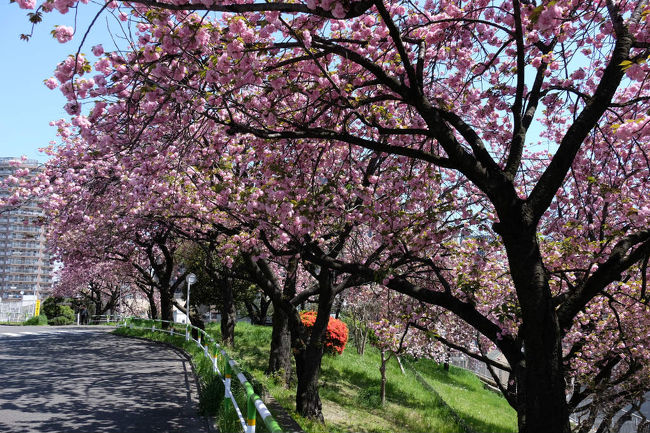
<point x="76" y="379"/>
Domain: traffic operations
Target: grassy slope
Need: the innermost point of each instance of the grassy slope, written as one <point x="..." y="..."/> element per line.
<point x="481" y="410"/>
<point x="350" y="392"/>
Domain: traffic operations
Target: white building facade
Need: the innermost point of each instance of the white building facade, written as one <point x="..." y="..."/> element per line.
<point x="25" y="267"/>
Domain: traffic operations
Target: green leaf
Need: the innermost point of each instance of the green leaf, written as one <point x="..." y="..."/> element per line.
<point x="626" y="64"/>
<point x="534" y="15"/>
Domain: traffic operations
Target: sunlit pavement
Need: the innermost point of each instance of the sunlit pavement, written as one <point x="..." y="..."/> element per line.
<point x="83" y="379"/>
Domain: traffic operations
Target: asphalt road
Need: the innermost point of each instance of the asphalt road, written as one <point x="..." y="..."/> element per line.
<point x="82" y="379"/>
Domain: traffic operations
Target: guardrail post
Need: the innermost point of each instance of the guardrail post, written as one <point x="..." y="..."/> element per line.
<point x="251" y="413"/>
<point x="228" y="376"/>
<point x="215" y="360"/>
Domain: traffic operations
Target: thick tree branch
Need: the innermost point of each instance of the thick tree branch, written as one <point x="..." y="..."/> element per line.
<point x="517" y="145"/>
<point x="622" y="257"/>
<point x="553" y="177"/>
<point x="401" y="49"/>
<point x="325" y="134"/>
<point x="356" y="8"/>
<point x="464" y="310"/>
<point x="462" y="349"/>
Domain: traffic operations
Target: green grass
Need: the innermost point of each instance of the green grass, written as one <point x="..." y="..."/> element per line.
<point x="350" y="390"/>
<point x="480" y="409"/>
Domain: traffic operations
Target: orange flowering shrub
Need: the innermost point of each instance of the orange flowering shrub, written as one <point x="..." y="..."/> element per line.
<point x="337" y="332"/>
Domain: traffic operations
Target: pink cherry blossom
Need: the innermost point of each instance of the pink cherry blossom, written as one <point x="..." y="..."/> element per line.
<point x="63" y="34"/>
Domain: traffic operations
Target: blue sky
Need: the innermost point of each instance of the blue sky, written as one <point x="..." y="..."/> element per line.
<point x="27" y="105"/>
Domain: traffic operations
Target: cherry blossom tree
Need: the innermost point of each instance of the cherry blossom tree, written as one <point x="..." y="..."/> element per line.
<point x="531" y="119"/>
<point x="102" y="285"/>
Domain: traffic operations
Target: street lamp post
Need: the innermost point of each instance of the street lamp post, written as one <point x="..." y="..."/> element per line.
<point x="22" y="302"/>
<point x="189" y="279"/>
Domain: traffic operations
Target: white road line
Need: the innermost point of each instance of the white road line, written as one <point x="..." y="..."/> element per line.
<point x="49" y="332"/>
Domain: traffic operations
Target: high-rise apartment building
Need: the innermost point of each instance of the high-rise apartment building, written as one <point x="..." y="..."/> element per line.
<point x="25" y="267"/>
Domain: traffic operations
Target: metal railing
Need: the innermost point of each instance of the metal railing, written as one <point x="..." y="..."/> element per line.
<point x="103" y="318"/>
<point x="222" y="365"/>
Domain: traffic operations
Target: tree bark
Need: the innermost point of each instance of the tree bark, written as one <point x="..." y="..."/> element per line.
<point x="98" y="302"/>
<point x="166" y="305"/>
<point x="309" y="357"/>
<point x="264" y="310"/>
<point x="228" y="313"/>
<point x="308" y="403"/>
<point x="382" y="370"/>
<point x="280" y="354"/>
<point x="307" y="345"/>
<point x="152" y="305"/>
<point x="258" y="314"/>
<point x="541" y="397"/>
<point x="252" y="314"/>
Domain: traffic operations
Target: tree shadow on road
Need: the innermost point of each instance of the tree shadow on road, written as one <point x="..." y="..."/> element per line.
<point x="74" y="384"/>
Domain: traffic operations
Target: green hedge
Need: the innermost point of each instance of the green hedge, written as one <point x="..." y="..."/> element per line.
<point x="60" y="320"/>
<point x="39" y="320"/>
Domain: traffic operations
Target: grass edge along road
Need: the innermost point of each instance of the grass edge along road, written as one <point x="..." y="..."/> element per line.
<point x="211" y="388"/>
<point x="350" y="390"/>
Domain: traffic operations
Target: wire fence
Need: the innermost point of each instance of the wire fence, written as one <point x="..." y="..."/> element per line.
<point x="222" y="365"/>
<point x="15" y="312"/>
<point x="636" y="424"/>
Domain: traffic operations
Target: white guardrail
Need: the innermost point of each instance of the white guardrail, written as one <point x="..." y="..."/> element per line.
<point x="222" y="365"/>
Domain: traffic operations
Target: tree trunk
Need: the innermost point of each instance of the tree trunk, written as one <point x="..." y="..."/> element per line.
<point x="339" y="306"/>
<point x="98" y="304"/>
<point x="166" y="305"/>
<point x="541" y="400"/>
<point x="228" y="313"/>
<point x="382" y="370"/>
<point x="258" y="314"/>
<point x="308" y="357"/>
<point x="264" y="309"/>
<point x="280" y="354"/>
<point x="445" y="364"/>
<point x="308" y="402"/>
<point x="364" y="338"/>
<point x="307" y="345"/>
<point x="152" y="305"/>
<point x="252" y="314"/>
